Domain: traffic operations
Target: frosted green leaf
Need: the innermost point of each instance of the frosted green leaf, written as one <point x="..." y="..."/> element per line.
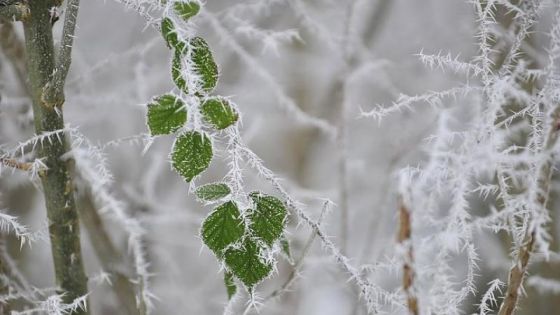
<point x="218" y="112"/>
<point x="268" y="217"/>
<point x="191" y="155"/>
<point x="166" y="114"/>
<point x="204" y="64"/>
<point x="186" y="9"/>
<point x="222" y="228"/>
<point x="169" y="33"/>
<point x="230" y="284"/>
<point x="213" y="191"/>
<point x="176" y="72"/>
<point x="246" y="263"/>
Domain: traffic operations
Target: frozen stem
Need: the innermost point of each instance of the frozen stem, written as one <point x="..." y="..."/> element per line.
<point x="404" y="239"/>
<point x="517" y="272"/>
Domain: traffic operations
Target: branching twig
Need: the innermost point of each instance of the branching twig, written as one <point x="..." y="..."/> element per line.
<point x="53" y="94"/>
<point x="517" y="272"/>
<point x="368" y="291"/>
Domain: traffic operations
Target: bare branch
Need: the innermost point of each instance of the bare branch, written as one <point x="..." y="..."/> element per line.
<point x="53" y="93"/>
<point x="404" y="238"/>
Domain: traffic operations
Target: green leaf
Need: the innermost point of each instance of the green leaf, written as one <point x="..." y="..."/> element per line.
<point x="191" y="155"/>
<point x="204" y="64"/>
<point x="176" y="72"/>
<point x="218" y="112"/>
<point x="267" y="219"/>
<point x="230" y="284"/>
<point x="169" y="33"/>
<point x="166" y="114"/>
<point x="246" y="263"/>
<point x="213" y="191"/>
<point x="187" y="9"/>
<point x="222" y="228"/>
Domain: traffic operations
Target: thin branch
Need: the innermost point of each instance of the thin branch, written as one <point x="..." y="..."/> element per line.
<point x="287" y="103"/>
<point x="24" y="166"/>
<point x="299" y="262"/>
<point x="368" y="290"/>
<point x="111" y="260"/>
<point x="404" y="239"/>
<point x="53" y="94"/>
<point x="518" y="270"/>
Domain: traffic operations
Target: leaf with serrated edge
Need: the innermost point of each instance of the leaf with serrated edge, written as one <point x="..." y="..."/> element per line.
<point x="191" y="154"/>
<point x="247" y="264"/>
<point x="218" y="112"/>
<point x="230" y="284"/>
<point x="204" y="64"/>
<point x="222" y="228"/>
<point x="166" y="114"/>
<point x="214" y="191"/>
<point x="186" y="9"/>
<point x="268" y="217"/>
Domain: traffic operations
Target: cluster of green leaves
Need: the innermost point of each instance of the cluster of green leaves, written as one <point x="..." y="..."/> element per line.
<point x="240" y="239"/>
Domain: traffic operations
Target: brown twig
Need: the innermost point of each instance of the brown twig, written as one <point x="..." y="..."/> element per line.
<point x="404" y="238"/>
<point x="517" y="272"/>
<point x="24" y="166"/>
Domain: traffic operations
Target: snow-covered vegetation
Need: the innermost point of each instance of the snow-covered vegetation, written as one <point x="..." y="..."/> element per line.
<point x="279" y="157"/>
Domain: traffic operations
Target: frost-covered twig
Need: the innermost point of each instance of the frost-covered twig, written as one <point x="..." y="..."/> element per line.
<point x="371" y="293"/>
<point x="24" y="166"/>
<point x="489" y="298"/>
<point x="56" y="305"/>
<point x="9" y="224"/>
<point x="285" y="101"/>
<point x="111" y="260"/>
<point x="95" y="177"/>
<point x="405" y="102"/>
<point x="405" y="240"/>
<point x="299" y="262"/>
<point x="448" y="62"/>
